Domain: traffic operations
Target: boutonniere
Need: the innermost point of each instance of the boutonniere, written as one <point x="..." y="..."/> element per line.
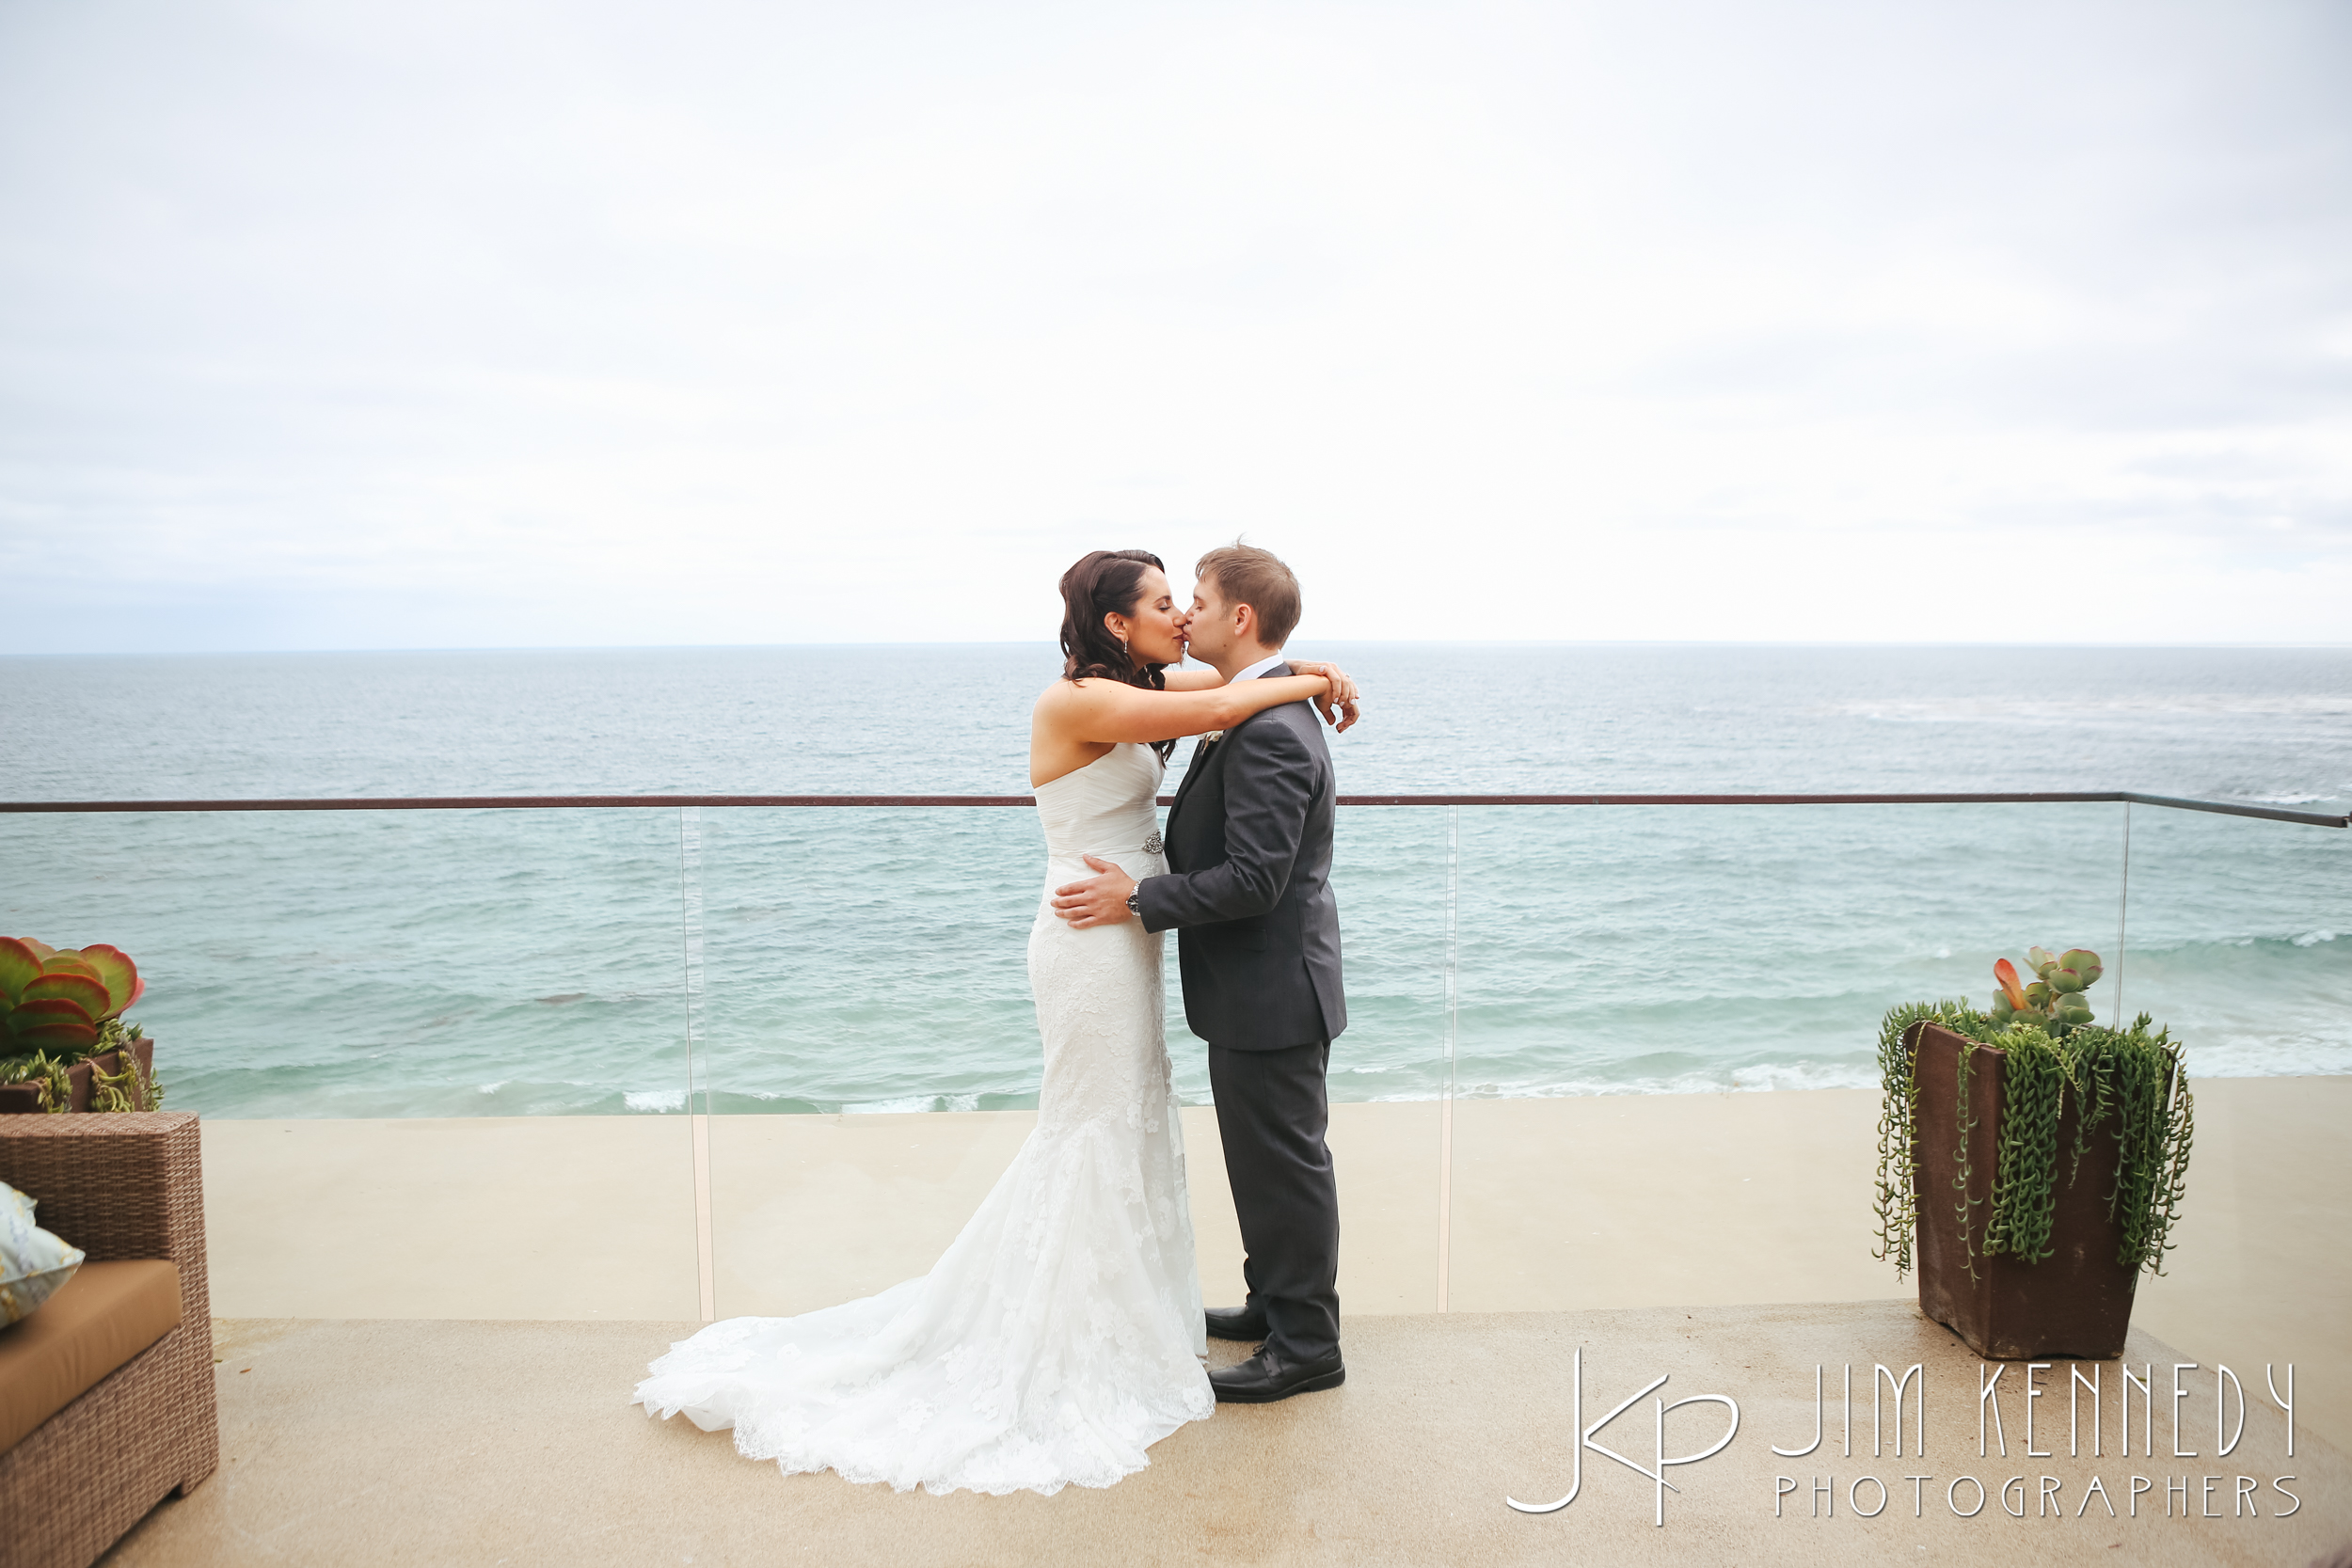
<point x="1212" y="738"/>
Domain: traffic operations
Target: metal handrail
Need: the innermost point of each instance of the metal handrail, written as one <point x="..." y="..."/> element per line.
<point x="576" y="802"/>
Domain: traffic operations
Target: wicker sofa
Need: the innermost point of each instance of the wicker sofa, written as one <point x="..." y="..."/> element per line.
<point x="128" y="1190"/>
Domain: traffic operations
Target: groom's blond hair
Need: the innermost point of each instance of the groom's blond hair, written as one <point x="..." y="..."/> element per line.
<point x="1245" y="574"/>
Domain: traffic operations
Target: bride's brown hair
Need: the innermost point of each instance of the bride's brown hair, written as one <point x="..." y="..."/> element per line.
<point x="1106" y="582"/>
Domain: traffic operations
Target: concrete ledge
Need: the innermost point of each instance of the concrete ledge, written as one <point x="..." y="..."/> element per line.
<point x="1558" y="1205"/>
<point x="464" y="1217"/>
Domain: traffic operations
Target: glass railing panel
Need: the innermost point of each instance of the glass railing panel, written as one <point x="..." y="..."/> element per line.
<point x="385" y="1015"/>
<point x="2241" y="946"/>
<point x="1390" y="873"/>
<point x="1627" y="973"/>
<point x="2241" y="940"/>
<point x="438" y="1053"/>
<point x="866" y="1023"/>
<point x="871" y="1052"/>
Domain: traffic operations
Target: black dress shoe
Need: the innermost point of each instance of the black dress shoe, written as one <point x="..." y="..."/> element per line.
<point x="1267" y="1377"/>
<point x="1245" y="1323"/>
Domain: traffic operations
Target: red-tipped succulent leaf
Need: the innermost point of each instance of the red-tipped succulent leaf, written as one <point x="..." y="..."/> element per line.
<point x="118" y="974"/>
<point x="82" y="991"/>
<point x="2005" y="975"/>
<point x="18" y="965"/>
<point x="51" y="1024"/>
<point x="67" y="961"/>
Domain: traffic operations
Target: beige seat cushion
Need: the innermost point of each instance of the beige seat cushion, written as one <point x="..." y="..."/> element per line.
<point x="99" y="1319"/>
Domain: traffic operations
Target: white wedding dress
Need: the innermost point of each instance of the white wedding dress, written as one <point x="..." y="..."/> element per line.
<point x="1062" y="1333"/>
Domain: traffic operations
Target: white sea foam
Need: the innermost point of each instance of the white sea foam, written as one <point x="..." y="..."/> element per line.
<point x="913" y="1102"/>
<point x="2075" y="710"/>
<point x="2255" y="1057"/>
<point x="655" y="1099"/>
<point x="1762" y="1078"/>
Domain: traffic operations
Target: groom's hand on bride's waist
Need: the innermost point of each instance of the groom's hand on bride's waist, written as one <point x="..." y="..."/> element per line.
<point x="1100" y="900"/>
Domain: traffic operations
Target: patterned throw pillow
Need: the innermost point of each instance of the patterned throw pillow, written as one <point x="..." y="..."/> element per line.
<point x="33" y="1264"/>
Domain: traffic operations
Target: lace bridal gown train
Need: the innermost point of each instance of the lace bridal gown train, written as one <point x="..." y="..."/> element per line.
<point x="1062" y="1333"/>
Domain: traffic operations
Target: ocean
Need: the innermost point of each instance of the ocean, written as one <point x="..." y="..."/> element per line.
<point x="546" y="962"/>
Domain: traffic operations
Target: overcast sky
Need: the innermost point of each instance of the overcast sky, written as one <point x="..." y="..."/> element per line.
<point x="481" y="323"/>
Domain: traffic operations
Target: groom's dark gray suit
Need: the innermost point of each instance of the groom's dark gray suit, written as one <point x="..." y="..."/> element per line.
<point x="1249" y="840"/>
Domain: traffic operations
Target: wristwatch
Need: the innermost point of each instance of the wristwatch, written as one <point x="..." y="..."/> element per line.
<point x="1134" y="900"/>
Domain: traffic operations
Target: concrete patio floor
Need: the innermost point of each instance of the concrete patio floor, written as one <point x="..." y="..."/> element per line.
<point x="436" y="1442"/>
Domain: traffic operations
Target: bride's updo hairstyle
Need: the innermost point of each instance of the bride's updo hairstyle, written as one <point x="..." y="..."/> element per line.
<point x="1106" y="582"/>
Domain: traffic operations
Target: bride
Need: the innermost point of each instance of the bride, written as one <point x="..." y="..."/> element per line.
<point x="1062" y="1332"/>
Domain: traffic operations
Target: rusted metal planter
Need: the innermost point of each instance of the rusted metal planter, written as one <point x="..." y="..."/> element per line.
<point x="2077" y="1302"/>
<point x="21" y="1098"/>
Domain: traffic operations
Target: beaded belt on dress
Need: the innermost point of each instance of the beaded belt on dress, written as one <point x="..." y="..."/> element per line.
<point x="1151" y="846"/>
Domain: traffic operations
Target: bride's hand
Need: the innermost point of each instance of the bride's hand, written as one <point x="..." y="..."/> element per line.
<point x="1338" y="705"/>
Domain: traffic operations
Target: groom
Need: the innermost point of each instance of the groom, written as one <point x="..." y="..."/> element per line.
<point x="1258" y="939"/>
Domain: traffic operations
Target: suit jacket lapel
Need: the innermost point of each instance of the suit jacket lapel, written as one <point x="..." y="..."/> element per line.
<point x="1192" y="771"/>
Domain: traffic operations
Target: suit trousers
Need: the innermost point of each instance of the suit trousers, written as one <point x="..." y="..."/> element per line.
<point x="1271" y="1114"/>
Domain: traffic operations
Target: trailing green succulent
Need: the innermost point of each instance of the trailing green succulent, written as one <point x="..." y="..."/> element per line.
<point x="2132" y="1087"/>
<point x="2053" y="1004"/>
<point x="58" y="1007"/>
<point x="126" y="1089"/>
<point x="45" y="1072"/>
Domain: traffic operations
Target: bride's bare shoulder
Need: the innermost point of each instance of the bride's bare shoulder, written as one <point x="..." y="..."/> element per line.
<point x="1061" y="694"/>
<point x="1065" y="707"/>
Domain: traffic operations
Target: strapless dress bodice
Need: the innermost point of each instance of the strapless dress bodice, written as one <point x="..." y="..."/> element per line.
<point x="1107" y="809"/>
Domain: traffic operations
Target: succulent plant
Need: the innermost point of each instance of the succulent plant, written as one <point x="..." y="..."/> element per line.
<point x="58" y="1000"/>
<point x="2053" y="1004"/>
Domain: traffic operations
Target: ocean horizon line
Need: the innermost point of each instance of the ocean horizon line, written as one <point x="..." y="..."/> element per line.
<point x="1792" y="644"/>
